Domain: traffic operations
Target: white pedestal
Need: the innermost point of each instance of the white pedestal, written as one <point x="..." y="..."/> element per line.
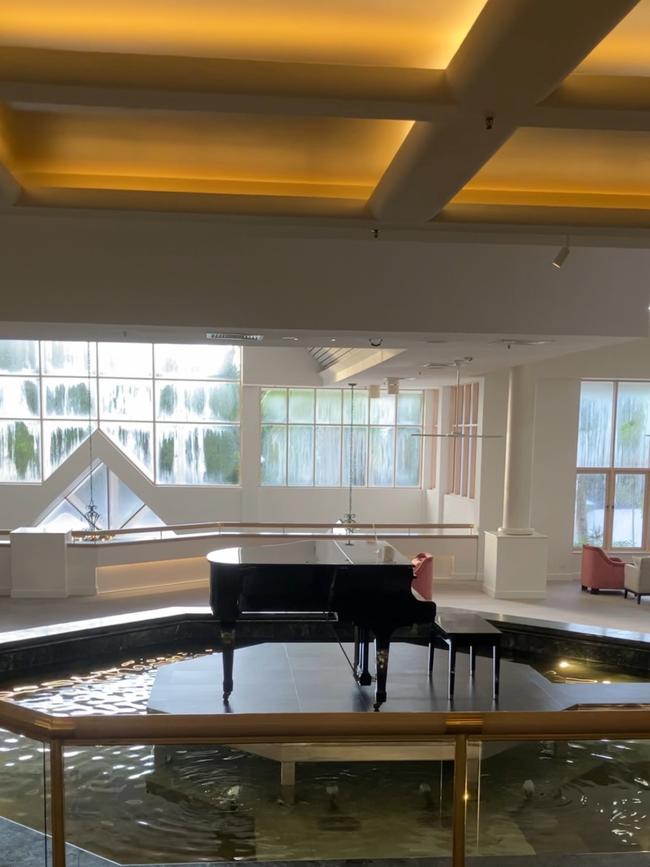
<point x="38" y="563"/>
<point x="515" y="567"/>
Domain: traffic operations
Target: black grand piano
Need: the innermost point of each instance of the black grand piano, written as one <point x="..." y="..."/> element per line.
<point x="364" y="583"/>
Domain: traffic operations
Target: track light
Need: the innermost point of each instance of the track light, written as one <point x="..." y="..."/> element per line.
<point x="562" y="255"/>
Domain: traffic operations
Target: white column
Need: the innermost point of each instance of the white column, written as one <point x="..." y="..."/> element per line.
<point x="515" y="557"/>
<point x="518" y="462"/>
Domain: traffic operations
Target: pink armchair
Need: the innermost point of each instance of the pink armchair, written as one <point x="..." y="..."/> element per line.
<point x="600" y="572"/>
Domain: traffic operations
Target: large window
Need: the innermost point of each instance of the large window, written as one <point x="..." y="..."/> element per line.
<point x="306" y="438"/>
<point x="461" y="454"/>
<point x="172" y="409"/>
<point x="613" y="465"/>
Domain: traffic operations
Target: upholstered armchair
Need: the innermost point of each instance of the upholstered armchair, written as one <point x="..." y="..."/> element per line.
<point x="637" y="578"/>
<point x="600" y="572"/>
<point x="422" y="585"/>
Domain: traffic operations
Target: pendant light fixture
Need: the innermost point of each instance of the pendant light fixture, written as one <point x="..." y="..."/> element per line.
<point x="455" y="433"/>
<point x="91" y="514"/>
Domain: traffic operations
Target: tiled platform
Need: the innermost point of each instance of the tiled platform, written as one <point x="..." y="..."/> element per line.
<point x="315" y="677"/>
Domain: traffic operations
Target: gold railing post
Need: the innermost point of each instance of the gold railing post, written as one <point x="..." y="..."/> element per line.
<point x="460" y="802"/>
<point x="57" y="786"/>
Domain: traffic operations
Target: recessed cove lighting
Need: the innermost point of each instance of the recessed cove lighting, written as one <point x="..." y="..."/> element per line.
<point x="221" y="335"/>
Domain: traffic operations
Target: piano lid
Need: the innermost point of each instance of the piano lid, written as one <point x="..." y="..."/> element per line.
<point x="325" y="552"/>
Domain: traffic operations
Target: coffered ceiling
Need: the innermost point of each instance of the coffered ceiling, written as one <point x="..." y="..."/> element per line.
<point x="399" y="114"/>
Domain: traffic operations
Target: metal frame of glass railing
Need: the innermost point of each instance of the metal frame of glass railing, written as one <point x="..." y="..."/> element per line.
<point x="461" y="728"/>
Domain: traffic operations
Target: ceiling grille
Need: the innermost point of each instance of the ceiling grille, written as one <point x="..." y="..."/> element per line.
<point x="326" y="356"/>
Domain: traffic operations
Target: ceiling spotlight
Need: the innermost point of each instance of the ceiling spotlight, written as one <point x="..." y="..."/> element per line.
<point x="562" y="255"/>
<point x="375" y="341"/>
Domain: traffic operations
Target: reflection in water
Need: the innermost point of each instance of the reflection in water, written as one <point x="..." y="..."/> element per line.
<point x="143" y="804"/>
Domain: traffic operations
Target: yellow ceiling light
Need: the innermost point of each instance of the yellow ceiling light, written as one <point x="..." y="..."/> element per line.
<point x="232" y="154"/>
<point x="624" y="51"/>
<point x="567" y="168"/>
<point x="414" y="33"/>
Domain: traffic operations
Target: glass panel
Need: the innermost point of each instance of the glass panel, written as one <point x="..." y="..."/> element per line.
<point x="122" y="502"/>
<point x="632" y="424"/>
<point x="301" y="405"/>
<point x="328" y="455"/>
<point x="407" y="467"/>
<point x="629" y="498"/>
<point x="69" y="358"/>
<point x="595" y="426"/>
<point x="589" y="526"/>
<point x="273" y="469"/>
<point x="130" y="399"/>
<point x="19" y="356"/>
<point x="200" y="803"/>
<point x="59" y="441"/>
<point x="301" y="455"/>
<point x="274" y="404"/>
<point x="328" y="406"/>
<point x="135" y="440"/>
<point x="409" y="407"/>
<point x="359" y="456"/>
<point x="547" y="801"/>
<point x="360" y="406"/>
<point x="125" y="359"/>
<point x="19" y="398"/>
<point x="69" y="398"/>
<point x="382" y="455"/>
<point x="20" y="451"/>
<point x="146" y="517"/>
<point x="24" y="786"/>
<point x="197" y="454"/>
<point x="197" y="401"/>
<point x="64" y="518"/>
<point x="80" y="497"/>
<point x="382" y="410"/>
<point x="174" y="361"/>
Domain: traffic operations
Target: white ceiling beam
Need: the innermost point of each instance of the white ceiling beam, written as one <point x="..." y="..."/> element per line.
<point x="516" y="53"/>
<point x="310" y="105"/>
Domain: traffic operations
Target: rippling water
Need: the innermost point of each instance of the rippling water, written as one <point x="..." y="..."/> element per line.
<point x="158" y="804"/>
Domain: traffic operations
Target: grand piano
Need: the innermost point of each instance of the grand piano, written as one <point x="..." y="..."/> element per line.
<point x="364" y="583"/>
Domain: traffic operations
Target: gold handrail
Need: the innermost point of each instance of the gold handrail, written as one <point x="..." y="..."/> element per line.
<point x="292" y="728"/>
<point x="277" y="727"/>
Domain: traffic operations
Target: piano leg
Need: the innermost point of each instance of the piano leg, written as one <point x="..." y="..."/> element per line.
<point x="382" y="645"/>
<point x="228" y="655"/>
<point x="356" y="649"/>
<point x="365" y="678"/>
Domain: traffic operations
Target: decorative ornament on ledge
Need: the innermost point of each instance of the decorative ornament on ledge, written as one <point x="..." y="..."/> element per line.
<point x="92" y="516"/>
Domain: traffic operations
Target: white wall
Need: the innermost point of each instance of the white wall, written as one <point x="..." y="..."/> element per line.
<point x="186" y="271"/>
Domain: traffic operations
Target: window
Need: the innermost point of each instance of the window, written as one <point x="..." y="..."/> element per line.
<point x="172" y="409"/>
<point x="308" y="438"/>
<point x="613" y="465"/>
<point x="461" y="453"/>
<point x="116" y="503"/>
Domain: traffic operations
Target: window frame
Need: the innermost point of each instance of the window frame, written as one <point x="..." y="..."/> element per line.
<point x="96" y="420"/>
<point x="342" y="426"/>
<point x="611" y="472"/>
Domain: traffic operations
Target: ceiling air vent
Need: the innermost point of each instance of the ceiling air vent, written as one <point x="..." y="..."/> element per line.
<point x="221" y="335"/>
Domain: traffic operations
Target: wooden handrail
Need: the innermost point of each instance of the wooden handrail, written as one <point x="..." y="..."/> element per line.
<point x="285" y="525"/>
<point x="318" y="727"/>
